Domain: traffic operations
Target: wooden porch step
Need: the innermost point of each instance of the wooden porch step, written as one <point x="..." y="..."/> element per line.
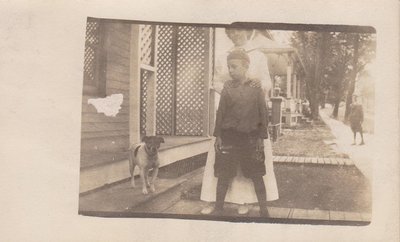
<point x="101" y="158"/>
<point x="105" y="144"/>
<point x="101" y="169"/>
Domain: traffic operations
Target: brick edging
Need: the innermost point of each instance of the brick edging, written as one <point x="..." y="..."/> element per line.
<point x="313" y="160"/>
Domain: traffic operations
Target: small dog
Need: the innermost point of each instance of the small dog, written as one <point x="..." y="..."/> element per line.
<point x="145" y="156"/>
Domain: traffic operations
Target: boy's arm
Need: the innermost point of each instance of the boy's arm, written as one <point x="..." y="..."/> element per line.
<point x="220" y="113"/>
<point x="219" y="119"/>
<point x="362" y="113"/>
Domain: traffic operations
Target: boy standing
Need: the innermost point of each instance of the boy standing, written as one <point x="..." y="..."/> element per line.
<point x="356" y="118"/>
<point x="241" y="126"/>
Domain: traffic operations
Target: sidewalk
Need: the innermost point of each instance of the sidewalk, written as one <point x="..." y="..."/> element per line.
<point x="362" y="155"/>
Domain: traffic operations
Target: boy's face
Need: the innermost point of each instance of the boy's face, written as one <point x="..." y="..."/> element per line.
<point x="237" y="69"/>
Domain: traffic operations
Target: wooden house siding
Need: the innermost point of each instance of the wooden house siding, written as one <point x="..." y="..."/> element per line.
<point x="106" y="139"/>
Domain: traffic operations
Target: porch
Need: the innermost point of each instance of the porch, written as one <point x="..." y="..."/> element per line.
<point x="164" y="73"/>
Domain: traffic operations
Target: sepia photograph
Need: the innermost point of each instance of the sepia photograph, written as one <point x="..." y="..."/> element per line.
<point x="243" y="122"/>
<point x="152" y="120"/>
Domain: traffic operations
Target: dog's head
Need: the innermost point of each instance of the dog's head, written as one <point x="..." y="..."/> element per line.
<point x="152" y="143"/>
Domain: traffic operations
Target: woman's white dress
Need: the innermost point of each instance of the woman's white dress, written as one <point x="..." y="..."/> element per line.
<point x="241" y="190"/>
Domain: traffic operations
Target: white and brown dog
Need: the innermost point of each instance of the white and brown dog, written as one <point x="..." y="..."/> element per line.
<point x="145" y="156"/>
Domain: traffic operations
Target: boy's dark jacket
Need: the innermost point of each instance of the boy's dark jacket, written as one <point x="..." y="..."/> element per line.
<point x="242" y="107"/>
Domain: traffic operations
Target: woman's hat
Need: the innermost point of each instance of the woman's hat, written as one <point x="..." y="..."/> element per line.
<point x="229" y="30"/>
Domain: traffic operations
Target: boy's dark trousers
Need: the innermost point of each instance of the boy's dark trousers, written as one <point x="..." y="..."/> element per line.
<point x="243" y="154"/>
<point x="259" y="186"/>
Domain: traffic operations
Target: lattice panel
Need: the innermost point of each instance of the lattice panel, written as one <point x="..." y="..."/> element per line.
<point x="165" y="80"/>
<point x="92" y="40"/>
<point x="190" y="80"/>
<point x="144" y="77"/>
<point x="92" y="28"/>
<point x="146" y="44"/>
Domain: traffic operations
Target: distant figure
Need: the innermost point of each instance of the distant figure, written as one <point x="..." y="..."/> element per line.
<point x="356" y="118"/>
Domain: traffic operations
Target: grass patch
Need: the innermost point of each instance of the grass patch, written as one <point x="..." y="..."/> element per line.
<point x="307" y="140"/>
<point x="338" y="188"/>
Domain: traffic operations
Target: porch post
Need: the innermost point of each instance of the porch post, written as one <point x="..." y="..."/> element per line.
<point x="134" y="86"/>
<point x="295" y="86"/>
<point x="151" y="92"/>
<point x="208" y="116"/>
<point x="298" y="88"/>
<point x="289" y="78"/>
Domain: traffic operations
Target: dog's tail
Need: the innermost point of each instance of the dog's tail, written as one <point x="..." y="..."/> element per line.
<point x="130" y="162"/>
<point x="136" y="151"/>
<point x="131" y="157"/>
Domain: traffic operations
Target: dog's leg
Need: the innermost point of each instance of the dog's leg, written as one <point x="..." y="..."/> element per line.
<point x="133" y="176"/>
<point x="153" y="179"/>
<point x="144" y="182"/>
<point x="132" y="169"/>
<point x="147" y="178"/>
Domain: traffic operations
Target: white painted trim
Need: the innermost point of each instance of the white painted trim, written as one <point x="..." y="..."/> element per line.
<point x="98" y="176"/>
<point x="134" y="87"/>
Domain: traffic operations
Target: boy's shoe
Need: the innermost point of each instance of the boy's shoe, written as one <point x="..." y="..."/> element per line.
<point x="243" y="209"/>
<point x="211" y="209"/>
<point x="353" y="143"/>
<point x="208" y="209"/>
<point x="264" y="212"/>
<point x="362" y="143"/>
<point x="217" y="211"/>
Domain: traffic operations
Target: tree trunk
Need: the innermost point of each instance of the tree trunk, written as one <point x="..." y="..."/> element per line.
<point x="314" y="106"/>
<point x="318" y="75"/>
<point x="323" y="101"/>
<point x="335" y="112"/>
<point x="339" y="87"/>
<point x="352" y="83"/>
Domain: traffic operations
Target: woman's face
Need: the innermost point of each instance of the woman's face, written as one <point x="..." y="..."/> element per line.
<point x="238" y="36"/>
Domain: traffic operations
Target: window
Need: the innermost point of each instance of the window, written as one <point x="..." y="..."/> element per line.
<point x="93" y="80"/>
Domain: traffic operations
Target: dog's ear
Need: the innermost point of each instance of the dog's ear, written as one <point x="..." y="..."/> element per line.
<point x="145" y="139"/>
<point x="161" y="139"/>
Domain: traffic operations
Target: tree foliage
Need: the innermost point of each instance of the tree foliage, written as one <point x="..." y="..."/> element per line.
<point x="332" y="61"/>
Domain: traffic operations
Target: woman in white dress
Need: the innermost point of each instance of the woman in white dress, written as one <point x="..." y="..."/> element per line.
<point x="241" y="190"/>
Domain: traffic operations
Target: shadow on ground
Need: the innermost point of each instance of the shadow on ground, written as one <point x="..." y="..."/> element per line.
<point x="336" y="188"/>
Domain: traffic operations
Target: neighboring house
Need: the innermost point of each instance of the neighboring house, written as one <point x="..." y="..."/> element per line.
<point x="287" y="74"/>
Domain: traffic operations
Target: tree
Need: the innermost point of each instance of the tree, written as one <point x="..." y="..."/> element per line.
<point x="338" y="67"/>
<point x="312" y="49"/>
<point x="364" y="52"/>
<point x="332" y="61"/>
